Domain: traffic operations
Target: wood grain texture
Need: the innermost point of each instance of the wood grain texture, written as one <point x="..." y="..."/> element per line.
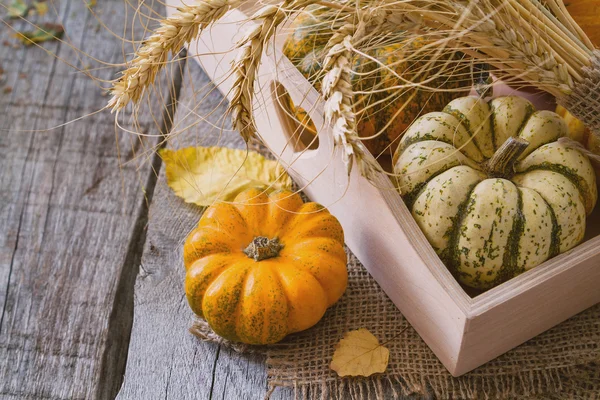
<point x="73" y="224"/>
<point x="71" y="212"/>
<point x="165" y="359"/>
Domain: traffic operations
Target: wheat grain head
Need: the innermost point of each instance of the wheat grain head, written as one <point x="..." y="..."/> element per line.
<point x="169" y="38"/>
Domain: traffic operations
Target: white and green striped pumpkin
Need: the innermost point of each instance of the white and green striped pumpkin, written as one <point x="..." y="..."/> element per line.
<point x="492" y="189"/>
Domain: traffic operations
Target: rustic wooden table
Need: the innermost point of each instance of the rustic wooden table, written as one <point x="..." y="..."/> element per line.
<point x="90" y="270"/>
<point x="91" y="297"/>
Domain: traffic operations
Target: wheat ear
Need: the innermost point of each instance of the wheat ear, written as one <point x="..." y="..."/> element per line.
<point x="173" y="33"/>
<point x="519" y="38"/>
<point x="338" y="94"/>
<point x="540" y="61"/>
<point x="245" y="66"/>
<point x="526" y="40"/>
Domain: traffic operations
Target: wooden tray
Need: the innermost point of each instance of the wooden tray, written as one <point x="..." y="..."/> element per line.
<point x="463" y="331"/>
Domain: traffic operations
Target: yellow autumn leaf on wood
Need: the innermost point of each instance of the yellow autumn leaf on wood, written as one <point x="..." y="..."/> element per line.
<point x="201" y="175"/>
<point x="41" y="7"/>
<point x="359" y="353"/>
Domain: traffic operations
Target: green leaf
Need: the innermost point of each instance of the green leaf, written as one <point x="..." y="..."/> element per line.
<point x="203" y="175"/>
<point x="43" y="33"/>
<point x="17" y="9"/>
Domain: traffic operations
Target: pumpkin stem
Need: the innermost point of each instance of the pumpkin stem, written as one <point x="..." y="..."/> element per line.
<point x="261" y="248"/>
<point x="502" y="163"/>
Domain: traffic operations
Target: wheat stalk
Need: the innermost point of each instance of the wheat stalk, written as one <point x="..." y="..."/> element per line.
<point x="337" y="89"/>
<point x="169" y="38"/>
<point x="528" y="41"/>
<point x="338" y="95"/>
<point x="532" y="41"/>
<point x="517" y="37"/>
<point x="245" y="66"/>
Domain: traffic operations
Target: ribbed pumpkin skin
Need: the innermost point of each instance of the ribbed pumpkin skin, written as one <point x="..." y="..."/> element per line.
<point x="305" y="49"/>
<point x="489" y="229"/>
<point x="260" y="302"/>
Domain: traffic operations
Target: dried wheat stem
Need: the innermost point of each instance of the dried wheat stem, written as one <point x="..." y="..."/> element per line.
<point x="338" y="94"/>
<point x="173" y="33"/>
<point x="559" y="9"/>
<point x="245" y="66"/>
<point x="491" y="30"/>
<point x="539" y="22"/>
<point x="334" y="5"/>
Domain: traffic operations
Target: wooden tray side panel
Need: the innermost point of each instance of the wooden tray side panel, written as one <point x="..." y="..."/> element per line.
<point x="563" y="287"/>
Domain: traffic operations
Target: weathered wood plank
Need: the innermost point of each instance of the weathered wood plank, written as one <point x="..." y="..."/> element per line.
<point x="164" y="358"/>
<point x="71" y="215"/>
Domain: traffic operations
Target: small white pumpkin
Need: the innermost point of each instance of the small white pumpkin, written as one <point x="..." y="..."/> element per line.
<point x="492" y="189"/>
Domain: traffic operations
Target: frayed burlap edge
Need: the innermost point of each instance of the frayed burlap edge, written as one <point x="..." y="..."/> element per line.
<point x="535" y="385"/>
<point x="548" y="364"/>
<point x="584" y="101"/>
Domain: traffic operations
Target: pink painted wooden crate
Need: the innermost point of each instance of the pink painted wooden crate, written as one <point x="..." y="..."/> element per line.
<point x="463" y="331"/>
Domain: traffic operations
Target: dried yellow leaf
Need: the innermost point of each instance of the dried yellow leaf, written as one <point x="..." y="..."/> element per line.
<point x="17" y="9"/>
<point x="42" y="33"/>
<point x="359" y="354"/>
<point x="202" y="175"/>
<point x="41" y="7"/>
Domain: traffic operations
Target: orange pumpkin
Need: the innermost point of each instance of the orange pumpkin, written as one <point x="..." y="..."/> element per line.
<point x="263" y="267"/>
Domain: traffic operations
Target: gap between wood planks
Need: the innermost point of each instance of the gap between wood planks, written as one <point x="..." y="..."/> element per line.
<point x="165" y="360"/>
<point x="114" y="359"/>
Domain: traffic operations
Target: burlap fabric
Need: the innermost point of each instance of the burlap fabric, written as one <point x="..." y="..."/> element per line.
<point x="563" y="362"/>
<point x="584" y="102"/>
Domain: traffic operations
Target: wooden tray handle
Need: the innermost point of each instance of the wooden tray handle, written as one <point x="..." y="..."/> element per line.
<point x="276" y="76"/>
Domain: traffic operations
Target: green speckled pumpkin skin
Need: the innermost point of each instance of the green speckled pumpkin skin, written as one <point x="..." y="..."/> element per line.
<point x="260" y="302"/>
<point x="488" y="229"/>
<point x="304" y="47"/>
